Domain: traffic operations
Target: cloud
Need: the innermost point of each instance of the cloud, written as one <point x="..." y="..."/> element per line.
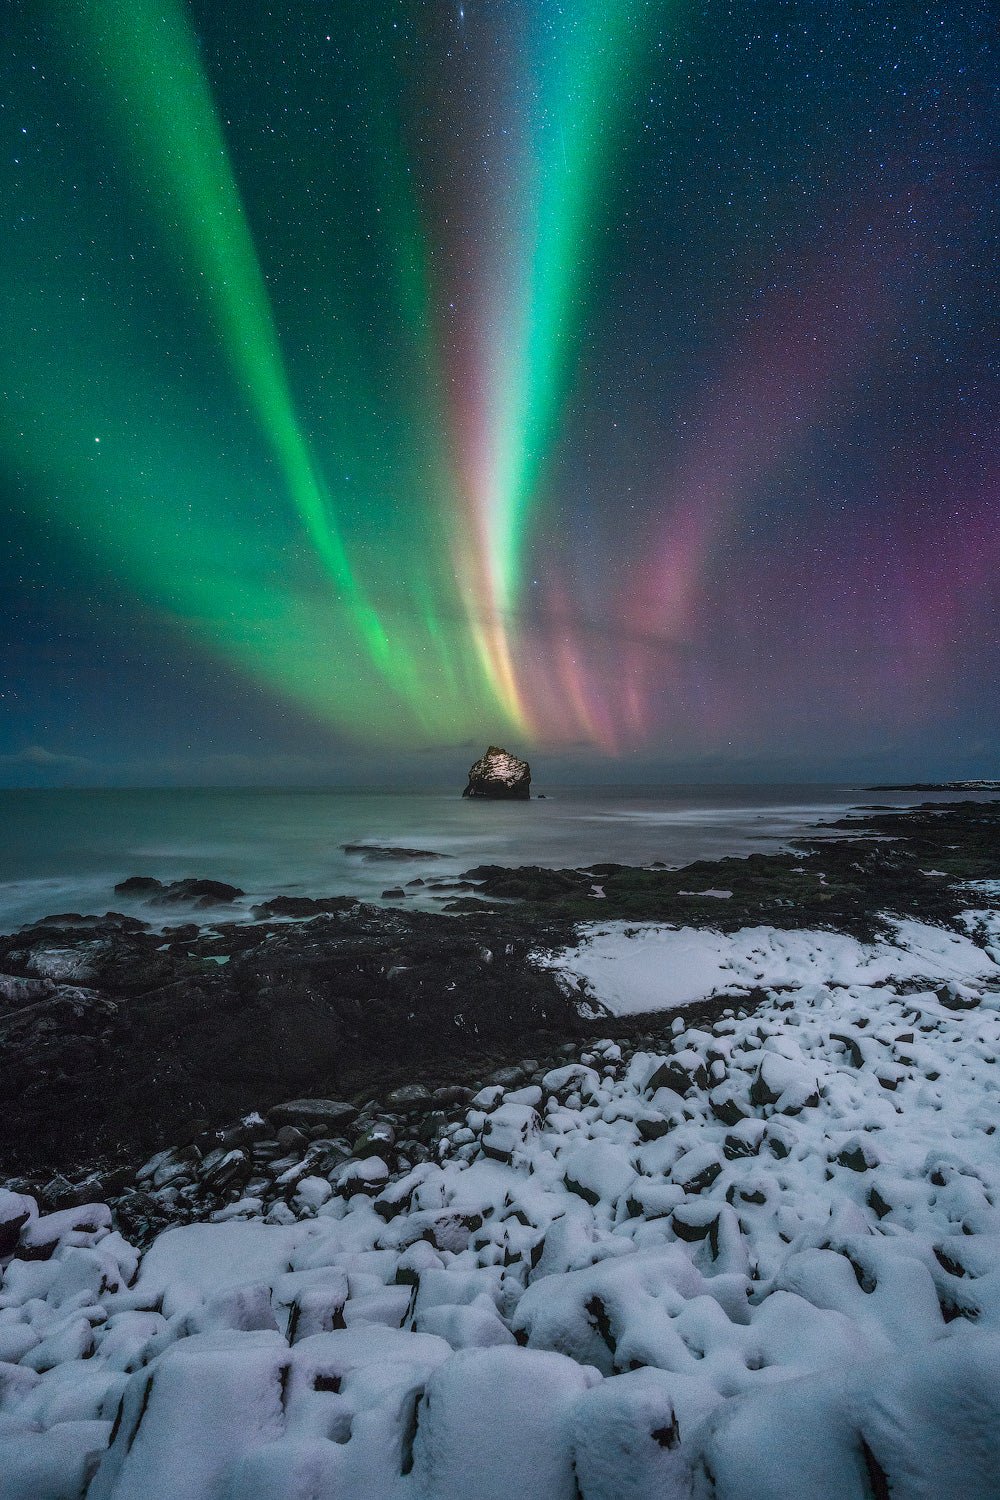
<point x="38" y="755"/>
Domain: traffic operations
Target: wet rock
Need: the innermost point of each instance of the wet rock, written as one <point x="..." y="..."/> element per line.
<point x="507" y="1077"/>
<point x="139" y="885"/>
<point x="525" y="883"/>
<point x="500" y="776"/>
<point x="19" y="990"/>
<point x="450" y="1094"/>
<point x="164" y="1162"/>
<point x="375" y="852"/>
<point x="179" y="1166"/>
<point x="201" y="893"/>
<point x="305" y="1113"/>
<point x="290" y="1138"/>
<point x="779" y="1142"/>
<point x="57" y="1193"/>
<point x="240" y="1133"/>
<point x="267" y="1151"/>
<point x="412" y="1096"/>
<point x="40" y="1236"/>
<point x="191" y="891"/>
<point x="303" y="906"/>
<point x="377" y="1140"/>
<point x="102" y="1187"/>
<point x="223" y="1170"/>
<point x="184" y="933"/>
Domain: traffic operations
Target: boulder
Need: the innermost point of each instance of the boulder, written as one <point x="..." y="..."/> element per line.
<point x="303" y="906"/>
<point x="308" y="1112"/>
<point x="15" y="1211"/>
<point x="417" y="1096"/>
<point x="201" y="892"/>
<point x="499" y="775"/>
<point x="370" y="852"/>
<point x="139" y="885"/>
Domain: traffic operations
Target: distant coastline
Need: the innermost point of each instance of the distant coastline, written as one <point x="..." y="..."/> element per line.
<point x="936" y="786"/>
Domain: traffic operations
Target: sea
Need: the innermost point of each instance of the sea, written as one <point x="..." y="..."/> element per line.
<point x="64" y="851"/>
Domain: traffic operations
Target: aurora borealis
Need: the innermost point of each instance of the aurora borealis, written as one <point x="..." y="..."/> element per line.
<point x="613" y="377"/>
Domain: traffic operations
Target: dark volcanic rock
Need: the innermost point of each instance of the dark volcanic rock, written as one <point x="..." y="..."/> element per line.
<point x="410" y="1096"/>
<point x="128" y="1038"/>
<point x="303" y="906"/>
<point x="308" y="1112"/>
<point x="189" y="892"/>
<point x="139" y="885"/>
<point x="201" y="892"/>
<point x="524" y="883"/>
<point x="500" y="776"/>
<point x="117" y="1038"/>
<point x="388" y="851"/>
<point x="900" y="862"/>
<point x="938" y="786"/>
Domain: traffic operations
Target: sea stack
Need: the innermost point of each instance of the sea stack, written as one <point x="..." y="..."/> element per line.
<point x="499" y="775"/>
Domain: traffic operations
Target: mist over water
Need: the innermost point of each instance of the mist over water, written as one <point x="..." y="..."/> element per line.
<point x="65" y="850"/>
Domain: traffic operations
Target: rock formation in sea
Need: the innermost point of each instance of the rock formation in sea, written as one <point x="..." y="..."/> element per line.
<point x="499" y="775"/>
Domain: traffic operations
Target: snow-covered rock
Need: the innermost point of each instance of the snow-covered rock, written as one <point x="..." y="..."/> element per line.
<point x="760" y="1260"/>
<point x="498" y="774"/>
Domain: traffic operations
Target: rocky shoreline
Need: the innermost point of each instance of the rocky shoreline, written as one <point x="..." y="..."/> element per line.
<point x="122" y="1040"/>
<point x="742" y="1249"/>
<point x="256" y="1165"/>
<point x="938" y="786"/>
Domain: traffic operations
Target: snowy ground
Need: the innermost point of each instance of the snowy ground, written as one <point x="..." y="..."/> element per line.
<point x="762" y="1262"/>
<point x="649" y="968"/>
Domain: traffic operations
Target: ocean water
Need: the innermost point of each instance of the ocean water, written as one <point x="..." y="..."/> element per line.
<point x="64" y="850"/>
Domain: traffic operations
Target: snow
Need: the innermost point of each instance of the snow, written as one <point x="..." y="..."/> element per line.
<point x="929" y="1422"/>
<point x="649" y="968"/>
<point x="187" y="1265"/>
<point x="497" y="1423"/>
<point x="759" y="1261"/>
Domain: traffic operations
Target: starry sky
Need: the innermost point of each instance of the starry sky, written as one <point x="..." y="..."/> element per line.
<point x="614" y="379"/>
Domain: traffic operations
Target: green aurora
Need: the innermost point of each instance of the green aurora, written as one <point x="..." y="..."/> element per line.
<point x="186" y="503"/>
<point x="565" y="372"/>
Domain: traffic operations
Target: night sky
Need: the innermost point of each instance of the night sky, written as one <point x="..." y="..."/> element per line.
<point x="615" y="379"/>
